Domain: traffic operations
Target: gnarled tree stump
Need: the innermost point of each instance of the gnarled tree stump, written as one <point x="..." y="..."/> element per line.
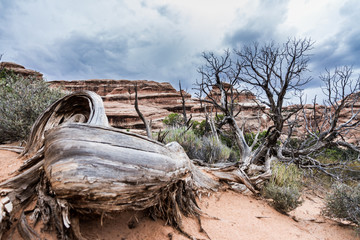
<point x="73" y="160"/>
<point x="107" y="169"/>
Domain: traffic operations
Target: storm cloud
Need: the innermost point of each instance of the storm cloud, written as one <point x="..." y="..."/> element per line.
<point x="163" y="40"/>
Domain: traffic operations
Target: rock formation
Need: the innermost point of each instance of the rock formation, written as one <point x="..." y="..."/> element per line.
<point x="317" y="117"/>
<point x="21" y="70"/>
<point x="156" y="101"/>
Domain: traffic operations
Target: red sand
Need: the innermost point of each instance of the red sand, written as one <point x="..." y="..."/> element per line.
<point x="240" y="217"/>
<point x="8" y="164"/>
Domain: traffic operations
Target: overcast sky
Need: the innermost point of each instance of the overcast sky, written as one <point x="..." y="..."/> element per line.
<point x="163" y="40"/>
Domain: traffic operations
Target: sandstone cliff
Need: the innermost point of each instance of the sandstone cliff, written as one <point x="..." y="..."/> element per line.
<point x="156" y="101"/>
<point x="21" y="70"/>
<point x="316" y="119"/>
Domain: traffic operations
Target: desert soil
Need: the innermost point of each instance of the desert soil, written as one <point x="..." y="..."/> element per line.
<point x="230" y="216"/>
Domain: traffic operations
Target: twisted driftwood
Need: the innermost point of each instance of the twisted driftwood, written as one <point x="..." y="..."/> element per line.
<point x="106" y="169"/>
<point x="73" y="160"/>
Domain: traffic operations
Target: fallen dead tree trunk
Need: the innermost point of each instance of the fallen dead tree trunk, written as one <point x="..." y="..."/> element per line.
<point x="107" y="169"/>
<point x="74" y="161"/>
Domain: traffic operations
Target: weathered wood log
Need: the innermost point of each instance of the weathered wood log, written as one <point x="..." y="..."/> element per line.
<point x="16" y="149"/>
<point x="74" y="160"/>
<point x="107" y="169"/>
<point x="15" y="193"/>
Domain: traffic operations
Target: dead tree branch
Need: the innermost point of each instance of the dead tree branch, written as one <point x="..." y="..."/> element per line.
<point x="326" y="126"/>
<point x="141" y="116"/>
<point x="272" y="71"/>
<point x="186" y="122"/>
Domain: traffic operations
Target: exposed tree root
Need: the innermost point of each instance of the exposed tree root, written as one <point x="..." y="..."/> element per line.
<point x="15" y="149"/>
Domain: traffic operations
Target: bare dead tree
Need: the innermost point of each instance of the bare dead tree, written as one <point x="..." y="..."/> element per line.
<point x="129" y="91"/>
<point x="220" y="75"/>
<point x="273" y="71"/>
<point x="323" y="126"/>
<point x="141" y="116"/>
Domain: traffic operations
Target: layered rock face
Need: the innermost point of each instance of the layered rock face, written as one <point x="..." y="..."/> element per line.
<point x="319" y="121"/>
<point x="21" y="70"/>
<point x="156" y="101"/>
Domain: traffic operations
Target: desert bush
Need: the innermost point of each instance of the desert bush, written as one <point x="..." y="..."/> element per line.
<point x="284" y="198"/>
<point x="284" y="187"/>
<point x="200" y="128"/>
<point x="174" y="120"/>
<point x="22" y="99"/>
<point x="188" y="140"/>
<point x="219" y="118"/>
<point x="344" y="202"/>
<point x="286" y="175"/>
<point x="336" y="154"/>
<point x="205" y="148"/>
<point x="214" y="150"/>
<point x="348" y="157"/>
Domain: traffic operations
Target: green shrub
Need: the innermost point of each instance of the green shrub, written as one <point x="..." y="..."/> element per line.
<point x="344" y="203"/>
<point x="286" y="175"/>
<point x="284" y="198"/>
<point x="284" y="187"/>
<point x="174" y="120"/>
<point x="200" y="128"/>
<point x="347" y="157"/>
<point x="22" y="99"/>
<point x="219" y="118"/>
<point x="214" y="150"/>
<point x="189" y="141"/>
<point x="250" y="137"/>
<point x="205" y="148"/>
<point x="336" y="154"/>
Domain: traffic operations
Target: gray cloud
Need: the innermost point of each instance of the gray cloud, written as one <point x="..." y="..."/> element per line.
<point x="343" y="48"/>
<point x="263" y="26"/>
<point x="116" y="57"/>
<point x="243" y="36"/>
<point x="152" y="40"/>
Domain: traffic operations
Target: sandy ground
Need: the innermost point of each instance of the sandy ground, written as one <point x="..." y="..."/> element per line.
<point x="240" y="217"/>
<point x="8" y="164"/>
<point x="230" y="216"/>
